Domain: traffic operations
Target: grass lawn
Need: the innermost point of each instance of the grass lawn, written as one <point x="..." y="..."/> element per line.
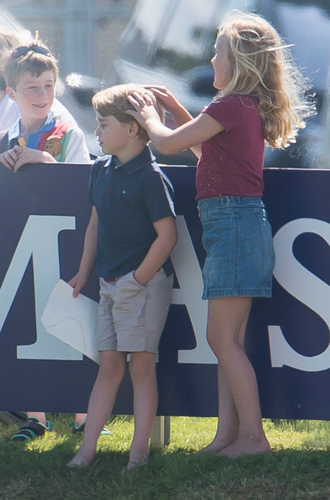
<point x="298" y="467"/>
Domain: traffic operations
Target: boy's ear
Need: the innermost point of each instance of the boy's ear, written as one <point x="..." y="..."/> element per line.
<point x="133" y="129"/>
<point x="11" y="93"/>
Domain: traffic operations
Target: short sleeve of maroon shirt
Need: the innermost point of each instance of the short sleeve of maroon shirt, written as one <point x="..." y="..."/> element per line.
<point x="231" y="162"/>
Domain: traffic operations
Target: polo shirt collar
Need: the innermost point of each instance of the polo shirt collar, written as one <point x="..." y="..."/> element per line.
<point x="15" y="130"/>
<point x="144" y="158"/>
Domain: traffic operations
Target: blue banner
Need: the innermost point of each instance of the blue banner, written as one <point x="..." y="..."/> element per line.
<point x="43" y="216"/>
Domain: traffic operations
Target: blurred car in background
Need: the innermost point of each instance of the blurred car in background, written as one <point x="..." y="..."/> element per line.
<point x="170" y="42"/>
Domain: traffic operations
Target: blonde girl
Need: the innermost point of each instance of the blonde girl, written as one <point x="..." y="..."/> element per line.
<point x="260" y="100"/>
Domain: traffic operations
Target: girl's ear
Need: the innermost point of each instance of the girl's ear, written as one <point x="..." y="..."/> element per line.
<point x="11" y="93"/>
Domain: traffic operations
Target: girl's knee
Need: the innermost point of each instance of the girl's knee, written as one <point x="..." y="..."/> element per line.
<point x="215" y="340"/>
<point x="221" y="345"/>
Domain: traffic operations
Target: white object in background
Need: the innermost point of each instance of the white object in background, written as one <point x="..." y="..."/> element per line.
<point x="72" y="320"/>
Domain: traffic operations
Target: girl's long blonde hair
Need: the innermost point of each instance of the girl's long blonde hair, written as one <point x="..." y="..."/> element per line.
<point x="263" y="68"/>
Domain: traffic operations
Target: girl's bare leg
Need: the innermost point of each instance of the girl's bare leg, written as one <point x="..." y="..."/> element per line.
<point x="143" y="374"/>
<point x="240" y="426"/>
<point x="228" y="424"/>
<point x="111" y="373"/>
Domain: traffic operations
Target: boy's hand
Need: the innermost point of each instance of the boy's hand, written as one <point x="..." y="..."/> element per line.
<point x="139" y="279"/>
<point x="28" y="155"/>
<point x="9" y="158"/>
<point x="78" y="282"/>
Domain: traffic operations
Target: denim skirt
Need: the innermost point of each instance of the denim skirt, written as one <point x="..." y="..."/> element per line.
<point x="237" y="238"/>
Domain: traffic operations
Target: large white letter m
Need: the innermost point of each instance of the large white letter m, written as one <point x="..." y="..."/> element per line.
<point x="39" y="240"/>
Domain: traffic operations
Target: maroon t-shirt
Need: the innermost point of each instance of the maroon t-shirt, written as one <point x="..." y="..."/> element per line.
<point x="231" y="162"/>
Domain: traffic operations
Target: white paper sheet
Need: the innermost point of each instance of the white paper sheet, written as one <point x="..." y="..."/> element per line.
<point x="72" y="320"/>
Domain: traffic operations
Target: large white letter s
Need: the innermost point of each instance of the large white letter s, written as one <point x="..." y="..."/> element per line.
<point x="304" y="286"/>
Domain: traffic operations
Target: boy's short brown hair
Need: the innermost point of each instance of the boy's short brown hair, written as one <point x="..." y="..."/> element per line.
<point x="34" y="58"/>
<point x="113" y="102"/>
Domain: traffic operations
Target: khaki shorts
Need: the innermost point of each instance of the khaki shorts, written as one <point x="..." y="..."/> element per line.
<point x="132" y="316"/>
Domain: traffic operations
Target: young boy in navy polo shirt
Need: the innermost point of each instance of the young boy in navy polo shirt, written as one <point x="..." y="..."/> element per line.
<point x="130" y="235"/>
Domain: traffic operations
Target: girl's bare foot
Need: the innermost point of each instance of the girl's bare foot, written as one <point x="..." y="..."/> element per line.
<point x="246" y="445"/>
<point x="80" y="461"/>
<point x="215" y="447"/>
<point x="137" y="460"/>
<point x="133" y="465"/>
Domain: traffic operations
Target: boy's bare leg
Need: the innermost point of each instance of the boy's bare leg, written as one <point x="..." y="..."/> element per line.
<point x="79" y="418"/>
<point x="142" y="368"/>
<point x="111" y="373"/>
<point x="39" y="415"/>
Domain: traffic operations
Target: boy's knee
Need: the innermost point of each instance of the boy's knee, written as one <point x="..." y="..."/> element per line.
<point x="142" y="364"/>
<point x="113" y="366"/>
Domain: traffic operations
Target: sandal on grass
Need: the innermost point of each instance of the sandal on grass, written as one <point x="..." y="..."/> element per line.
<point x="75" y="429"/>
<point x="31" y="429"/>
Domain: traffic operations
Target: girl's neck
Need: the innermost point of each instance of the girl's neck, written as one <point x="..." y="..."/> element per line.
<point x="2" y="94"/>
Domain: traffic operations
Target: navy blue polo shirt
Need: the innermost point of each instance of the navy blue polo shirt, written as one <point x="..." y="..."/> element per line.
<point x="128" y="199"/>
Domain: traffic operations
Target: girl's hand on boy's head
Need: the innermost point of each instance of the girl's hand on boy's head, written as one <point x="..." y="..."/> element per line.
<point x="28" y="155"/>
<point x="9" y="158"/>
<point x="164" y="96"/>
<point x="179" y="113"/>
<point x="144" y="109"/>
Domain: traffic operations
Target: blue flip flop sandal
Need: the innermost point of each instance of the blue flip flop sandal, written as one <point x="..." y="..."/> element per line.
<point x="75" y="429"/>
<point x="31" y="429"/>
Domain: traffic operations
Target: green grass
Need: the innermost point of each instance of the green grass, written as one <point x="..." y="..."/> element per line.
<point x="298" y="467"/>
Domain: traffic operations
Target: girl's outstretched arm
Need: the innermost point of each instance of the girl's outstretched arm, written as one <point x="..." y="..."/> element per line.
<point x="178" y="112"/>
<point x="166" y="140"/>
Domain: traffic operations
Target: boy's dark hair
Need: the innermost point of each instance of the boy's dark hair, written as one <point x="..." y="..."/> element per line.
<point x="34" y="58"/>
<point x="113" y="102"/>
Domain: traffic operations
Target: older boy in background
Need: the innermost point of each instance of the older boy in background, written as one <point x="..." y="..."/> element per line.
<point x="38" y="136"/>
<point x="9" y="111"/>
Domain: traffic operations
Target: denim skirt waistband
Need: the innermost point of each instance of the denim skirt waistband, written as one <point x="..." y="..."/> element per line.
<point x="231" y="201"/>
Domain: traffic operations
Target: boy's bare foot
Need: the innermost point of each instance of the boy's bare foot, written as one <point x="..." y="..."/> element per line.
<point x="80" y="461"/>
<point x="246" y="445"/>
